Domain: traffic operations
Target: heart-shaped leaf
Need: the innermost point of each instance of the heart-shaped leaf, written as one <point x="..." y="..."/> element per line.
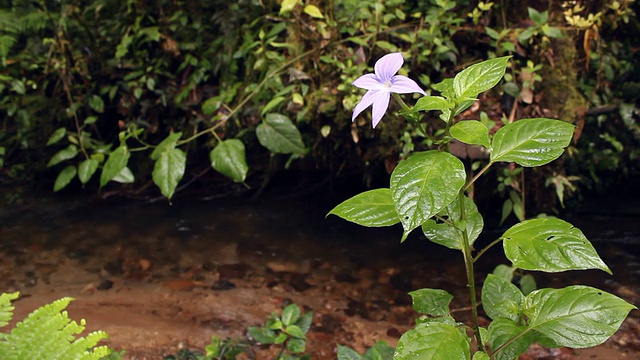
<point x="168" y="170"/>
<point x="433" y="341"/>
<point x="576" y="316"/>
<point x="117" y="161"/>
<point x="228" y="158"/>
<point x="550" y="245"/>
<point x="278" y="134"/>
<point x="423" y="184"/>
<point x="371" y="208"/>
<point x="531" y="142"/>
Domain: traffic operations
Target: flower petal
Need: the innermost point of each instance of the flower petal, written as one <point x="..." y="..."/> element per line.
<point x="388" y="65"/>
<point x="403" y="85"/>
<point x="380" y="105"/>
<point x="368" y="82"/>
<point x="364" y="103"/>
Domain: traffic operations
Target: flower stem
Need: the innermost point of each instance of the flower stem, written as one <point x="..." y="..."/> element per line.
<point x="468" y="262"/>
<point x="406" y="107"/>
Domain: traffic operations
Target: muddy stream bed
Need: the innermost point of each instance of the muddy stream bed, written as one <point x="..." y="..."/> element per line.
<point x="159" y="277"/>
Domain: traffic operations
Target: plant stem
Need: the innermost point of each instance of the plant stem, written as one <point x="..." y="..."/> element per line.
<point x="476" y="176"/>
<point x="494" y="242"/>
<point x="407" y="108"/>
<point x="468" y="262"/>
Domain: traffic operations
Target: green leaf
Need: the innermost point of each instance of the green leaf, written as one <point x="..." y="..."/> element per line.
<point x="290" y="314"/>
<point x="471" y="132"/>
<point x="433" y="341"/>
<point x="576" y="316"/>
<point x="551" y="31"/>
<point x="450" y="235"/>
<point x="550" y="245"/>
<point x="64" y="177"/>
<point x="86" y="169"/>
<point x="428" y="103"/>
<point x="313" y="11"/>
<point x="531" y="142"/>
<point x="380" y="351"/>
<point x="373" y="208"/>
<point x="117" y="161"/>
<point x="501" y="299"/>
<point x="57" y="136"/>
<point x="294" y="331"/>
<point x="503" y="330"/>
<point x="228" y="158"/>
<point x="304" y="322"/>
<point x="167" y="144"/>
<point x="433" y="302"/>
<point x="125" y="176"/>
<point x="479" y="78"/>
<point x="96" y="103"/>
<point x="481" y="355"/>
<point x="504" y="271"/>
<point x="528" y="284"/>
<point x="423" y="184"/>
<point x="65" y="154"/>
<point x="296" y="346"/>
<point x="168" y="170"/>
<point x="272" y="104"/>
<point x="6" y="309"/>
<point x="287" y="6"/>
<point x="211" y="105"/>
<point x="262" y="335"/>
<point x="347" y="353"/>
<point x="278" y="134"/>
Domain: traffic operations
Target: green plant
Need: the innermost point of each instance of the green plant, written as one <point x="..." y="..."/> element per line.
<point x="287" y="330"/>
<point x="218" y="349"/>
<point x="47" y="333"/>
<point x="428" y="191"/>
<point x="379" y="351"/>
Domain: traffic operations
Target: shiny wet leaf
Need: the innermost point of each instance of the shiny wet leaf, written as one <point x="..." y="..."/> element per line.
<point x="373" y="208"/>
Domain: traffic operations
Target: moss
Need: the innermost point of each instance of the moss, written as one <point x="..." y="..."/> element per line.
<point x="560" y="83"/>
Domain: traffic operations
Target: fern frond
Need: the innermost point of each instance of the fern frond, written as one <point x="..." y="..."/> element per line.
<point x="36" y="20"/>
<point x="48" y="333"/>
<point x="6" y="309"/>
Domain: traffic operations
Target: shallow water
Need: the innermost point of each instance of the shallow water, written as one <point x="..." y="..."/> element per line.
<point x="284" y="250"/>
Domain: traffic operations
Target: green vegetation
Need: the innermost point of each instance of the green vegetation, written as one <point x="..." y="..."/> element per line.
<point x="101" y="93"/>
<point x="47" y="333"/>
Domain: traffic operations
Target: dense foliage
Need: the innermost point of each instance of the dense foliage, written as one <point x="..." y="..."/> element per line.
<point x="97" y="92"/>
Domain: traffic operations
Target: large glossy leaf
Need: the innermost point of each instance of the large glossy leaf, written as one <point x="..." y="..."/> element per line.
<point x="166" y="145"/>
<point x="423" y="184"/>
<point x="531" y="142"/>
<point x="479" y="77"/>
<point x="168" y="170"/>
<point x="86" y="169"/>
<point x="501" y="299"/>
<point x="550" y="245"/>
<point x="347" y="353"/>
<point x="481" y="355"/>
<point x="433" y="302"/>
<point x="433" y="341"/>
<point x="278" y="134"/>
<point x="228" y="158"/>
<point x="372" y="208"/>
<point x="65" y="154"/>
<point x="64" y="177"/>
<point x="471" y="132"/>
<point x="576" y="316"/>
<point x="503" y="330"/>
<point x="117" y="161"/>
<point x="450" y="235"/>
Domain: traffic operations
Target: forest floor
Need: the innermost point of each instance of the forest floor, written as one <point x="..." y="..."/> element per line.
<point x="160" y="277"/>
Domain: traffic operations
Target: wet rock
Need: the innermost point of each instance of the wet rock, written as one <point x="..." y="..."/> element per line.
<point x="394" y="333"/>
<point x="105" y="285"/>
<point x="223" y="285"/>
<point x="298" y="282"/>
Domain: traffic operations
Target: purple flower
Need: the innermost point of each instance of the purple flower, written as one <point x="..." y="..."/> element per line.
<point x="381" y="84"/>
